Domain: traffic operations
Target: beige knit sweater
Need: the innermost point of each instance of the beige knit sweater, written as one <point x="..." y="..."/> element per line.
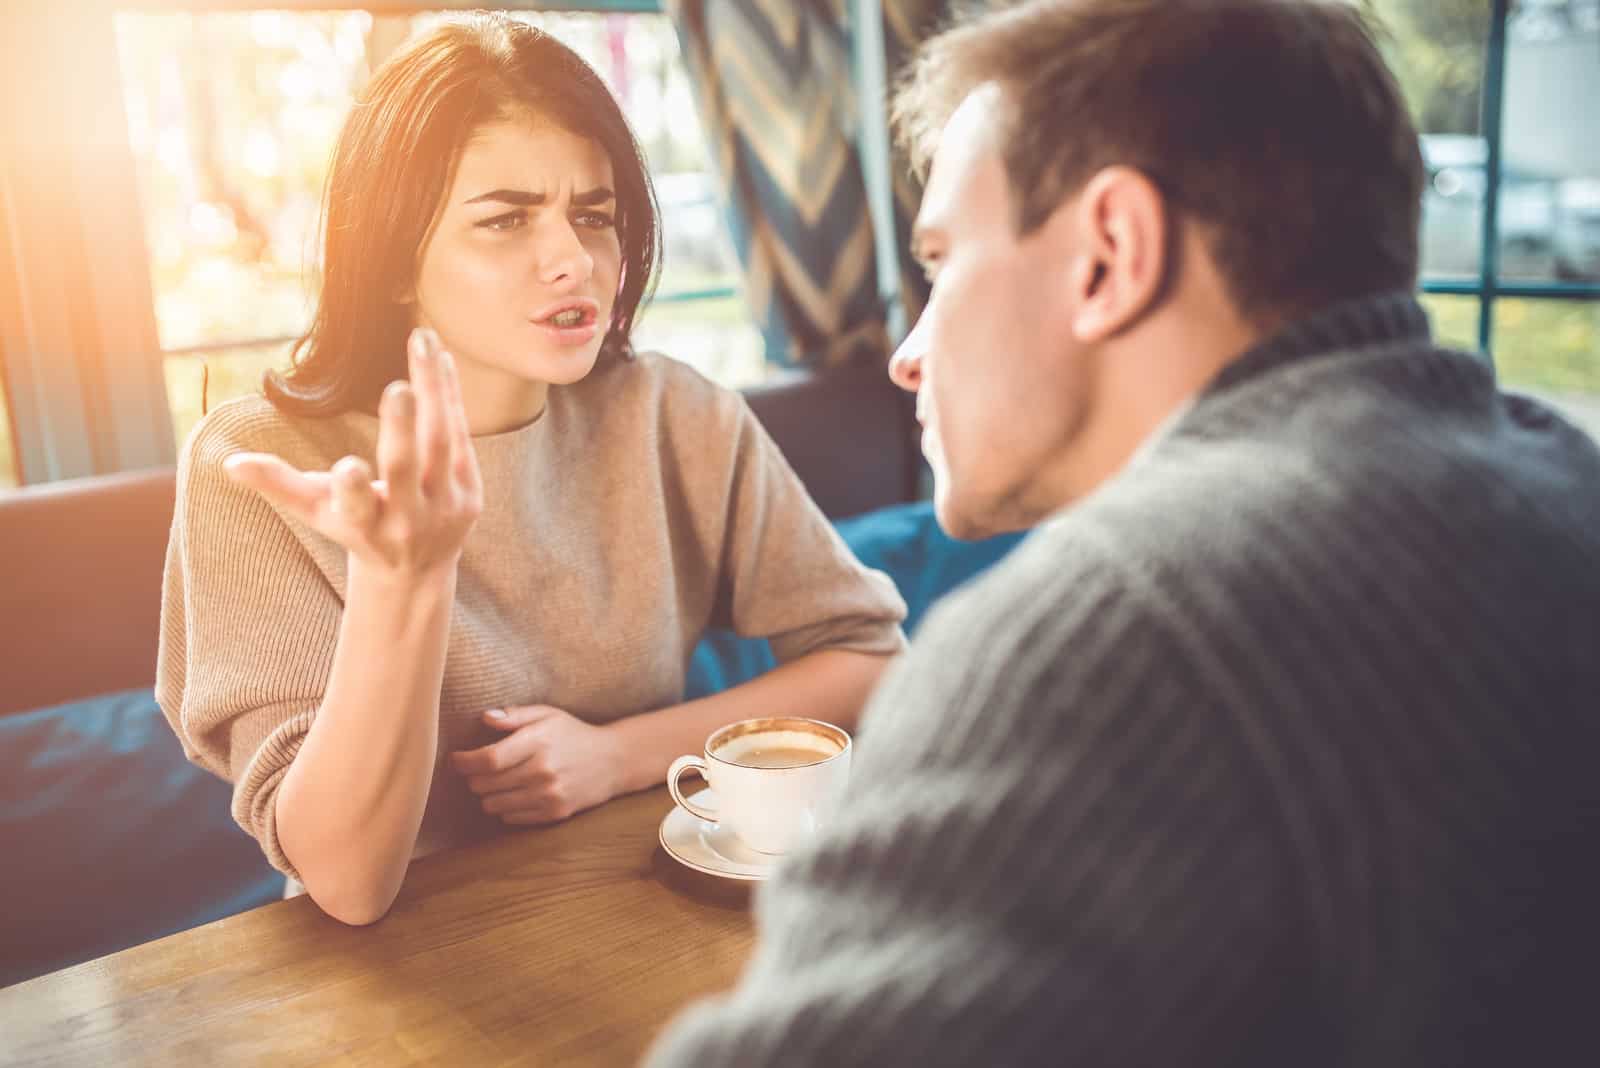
<point x="642" y="507"/>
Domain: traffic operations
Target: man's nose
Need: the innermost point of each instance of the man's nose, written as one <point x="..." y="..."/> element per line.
<point x="905" y="366"/>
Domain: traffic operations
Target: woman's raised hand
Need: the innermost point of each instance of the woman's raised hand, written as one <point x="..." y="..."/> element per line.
<point x="413" y="518"/>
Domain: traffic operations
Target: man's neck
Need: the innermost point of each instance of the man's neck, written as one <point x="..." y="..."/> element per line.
<point x="1144" y="378"/>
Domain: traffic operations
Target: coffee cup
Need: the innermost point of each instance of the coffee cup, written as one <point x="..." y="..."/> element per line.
<point x="775" y="779"/>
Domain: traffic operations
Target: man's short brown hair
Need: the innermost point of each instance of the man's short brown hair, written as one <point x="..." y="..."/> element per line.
<point x="1274" y="123"/>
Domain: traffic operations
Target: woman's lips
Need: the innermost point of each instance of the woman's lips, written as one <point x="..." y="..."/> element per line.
<point x="578" y="333"/>
<point x="569" y="336"/>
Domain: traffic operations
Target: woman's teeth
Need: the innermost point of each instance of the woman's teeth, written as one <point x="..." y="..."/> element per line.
<point x="570" y="317"/>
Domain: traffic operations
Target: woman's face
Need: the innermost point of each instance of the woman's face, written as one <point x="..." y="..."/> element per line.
<point x="520" y="272"/>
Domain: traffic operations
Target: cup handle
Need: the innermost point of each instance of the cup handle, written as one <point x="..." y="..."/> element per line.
<point x="674" y="773"/>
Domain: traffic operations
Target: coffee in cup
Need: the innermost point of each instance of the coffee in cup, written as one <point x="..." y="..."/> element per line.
<point x="775" y="779"/>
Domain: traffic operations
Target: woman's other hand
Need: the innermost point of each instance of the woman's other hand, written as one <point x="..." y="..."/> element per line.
<point x="550" y="765"/>
<point x="414" y="517"/>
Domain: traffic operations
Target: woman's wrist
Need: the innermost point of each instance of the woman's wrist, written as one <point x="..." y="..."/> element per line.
<point x="399" y="608"/>
<point x="635" y="763"/>
<point x="402" y="583"/>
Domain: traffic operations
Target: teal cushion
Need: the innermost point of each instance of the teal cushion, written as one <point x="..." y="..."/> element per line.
<point x="111" y="837"/>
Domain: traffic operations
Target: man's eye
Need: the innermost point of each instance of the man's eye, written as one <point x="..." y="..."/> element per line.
<point x="595" y="220"/>
<point x="511" y="220"/>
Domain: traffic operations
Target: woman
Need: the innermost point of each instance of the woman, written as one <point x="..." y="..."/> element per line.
<point x="447" y="574"/>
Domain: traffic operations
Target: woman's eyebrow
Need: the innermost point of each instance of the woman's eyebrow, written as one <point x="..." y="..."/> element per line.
<point x="522" y="198"/>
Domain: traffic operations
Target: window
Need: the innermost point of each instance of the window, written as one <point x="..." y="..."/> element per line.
<point x="1455" y="319"/>
<point x="232" y="113"/>
<point x="1498" y="91"/>
<point x="1551" y="348"/>
<point x="232" y="119"/>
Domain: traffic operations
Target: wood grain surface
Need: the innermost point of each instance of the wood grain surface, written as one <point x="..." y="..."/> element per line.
<point x="568" y="945"/>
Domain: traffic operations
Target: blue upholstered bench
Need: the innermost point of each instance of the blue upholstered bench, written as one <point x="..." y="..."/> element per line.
<point x="111" y="838"/>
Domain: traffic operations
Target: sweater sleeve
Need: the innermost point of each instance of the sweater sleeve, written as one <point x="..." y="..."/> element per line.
<point x="1048" y="853"/>
<point x="787" y="575"/>
<point x="248" y="628"/>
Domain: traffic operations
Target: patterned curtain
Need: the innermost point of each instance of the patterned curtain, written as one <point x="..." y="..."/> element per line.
<point x="773" y="83"/>
<point x="905" y="24"/>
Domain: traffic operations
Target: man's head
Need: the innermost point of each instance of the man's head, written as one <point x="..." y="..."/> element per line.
<point x="1123" y="195"/>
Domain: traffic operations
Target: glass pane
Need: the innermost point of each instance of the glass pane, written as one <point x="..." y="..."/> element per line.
<point x="1436" y="49"/>
<point x="232" y="119"/>
<point x="1550" y="158"/>
<point x="716" y="336"/>
<point x="1455" y="320"/>
<point x="1551" y="348"/>
<point x="196" y="383"/>
<point x="233" y="116"/>
<point x="8" y="453"/>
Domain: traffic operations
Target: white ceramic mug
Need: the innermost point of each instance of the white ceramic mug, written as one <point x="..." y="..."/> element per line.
<point x="775" y="779"/>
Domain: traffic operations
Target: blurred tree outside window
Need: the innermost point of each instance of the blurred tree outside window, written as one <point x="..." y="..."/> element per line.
<point x="1455" y="319"/>
<point x="1551" y="348"/>
<point x="233" y="117"/>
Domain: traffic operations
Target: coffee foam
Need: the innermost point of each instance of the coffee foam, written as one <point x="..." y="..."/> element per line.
<point x="735" y="749"/>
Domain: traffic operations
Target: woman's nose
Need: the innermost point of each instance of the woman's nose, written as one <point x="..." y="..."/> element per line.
<point x="564" y="257"/>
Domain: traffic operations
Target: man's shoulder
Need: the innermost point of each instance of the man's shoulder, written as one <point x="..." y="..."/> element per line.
<point x="1235" y="518"/>
<point x="1415" y="434"/>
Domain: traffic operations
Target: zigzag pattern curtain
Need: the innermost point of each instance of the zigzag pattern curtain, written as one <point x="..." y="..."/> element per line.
<point x="773" y="84"/>
<point x="906" y="23"/>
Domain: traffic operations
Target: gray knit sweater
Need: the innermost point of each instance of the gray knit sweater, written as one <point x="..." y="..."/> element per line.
<point x="1283" y="748"/>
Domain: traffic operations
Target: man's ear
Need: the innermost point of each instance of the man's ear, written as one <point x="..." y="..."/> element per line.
<point x="1120" y="221"/>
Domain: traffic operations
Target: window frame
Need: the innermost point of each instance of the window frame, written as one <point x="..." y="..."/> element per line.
<point x="1488" y="287"/>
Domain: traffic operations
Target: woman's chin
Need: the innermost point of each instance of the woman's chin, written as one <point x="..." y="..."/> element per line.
<point x="563" y="369"/>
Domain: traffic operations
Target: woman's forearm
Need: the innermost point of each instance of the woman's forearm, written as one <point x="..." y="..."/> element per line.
<point x="830" y="685"/>
<point x="351" y="803"/>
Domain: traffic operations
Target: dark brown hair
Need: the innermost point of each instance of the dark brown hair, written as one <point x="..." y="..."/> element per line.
<point x="394" y="160"/>
<point x="1273" y="122"/>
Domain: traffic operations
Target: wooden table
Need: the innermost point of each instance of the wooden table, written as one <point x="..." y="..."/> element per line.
<point x="570" y="945"/>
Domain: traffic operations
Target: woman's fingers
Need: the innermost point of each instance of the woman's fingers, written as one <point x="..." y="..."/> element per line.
<point x="534" y="798"/>
<point x="516" y="748"/>
<point x="354" y="500"/>
<point x="464" y="460"/>
<point x="397" y="445"/>
<point x="548" y="812"/>
<point x="528" y="773"/>
<point x="301" y="494"/>
<point x="433" y="425"/>
<point x="416" y="516"/>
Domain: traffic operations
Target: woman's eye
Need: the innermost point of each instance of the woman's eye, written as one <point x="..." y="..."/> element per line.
<point x="596" y="220"/>
<point x="511" y="220"/>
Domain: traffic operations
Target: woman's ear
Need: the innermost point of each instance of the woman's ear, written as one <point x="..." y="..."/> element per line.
<point x="1121" y="224"/>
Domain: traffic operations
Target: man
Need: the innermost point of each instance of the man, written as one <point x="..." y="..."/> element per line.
<point x="1274" y="743"/>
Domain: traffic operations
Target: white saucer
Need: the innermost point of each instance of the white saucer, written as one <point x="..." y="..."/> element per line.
<point x="707" y="847"/>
